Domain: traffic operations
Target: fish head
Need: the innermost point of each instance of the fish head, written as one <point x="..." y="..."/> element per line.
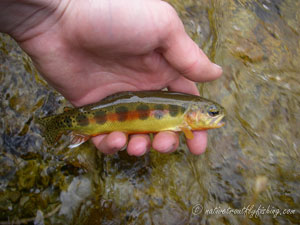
<point x="205" y="115"/>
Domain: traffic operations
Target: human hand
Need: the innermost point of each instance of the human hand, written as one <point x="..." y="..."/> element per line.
<point x="91" y="49"/>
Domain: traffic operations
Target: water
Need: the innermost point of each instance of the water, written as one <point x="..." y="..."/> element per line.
<point x="251" y="165"/>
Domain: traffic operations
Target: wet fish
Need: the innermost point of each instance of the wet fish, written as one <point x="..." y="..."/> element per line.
<point x="135" y="112"/>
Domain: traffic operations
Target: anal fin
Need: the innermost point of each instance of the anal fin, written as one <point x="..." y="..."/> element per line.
<point x="77" y="139"/>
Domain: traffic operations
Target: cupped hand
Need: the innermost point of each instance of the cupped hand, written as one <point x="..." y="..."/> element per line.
<point x="88" y="50"/>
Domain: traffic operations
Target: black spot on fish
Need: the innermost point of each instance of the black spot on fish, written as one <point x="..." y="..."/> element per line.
<point x="159" y="111"/>
<point x="68" y="121"/>
<point x="143" y="111"/>
<point x="82" y="120"/>
<point x="100" y="117"/>
<point x="122" y="112"/>
<point x="174" y="110"/>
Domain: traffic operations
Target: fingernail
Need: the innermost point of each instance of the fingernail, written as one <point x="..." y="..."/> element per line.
<point x="124" y="148"/>
<point x="217" y="66"/>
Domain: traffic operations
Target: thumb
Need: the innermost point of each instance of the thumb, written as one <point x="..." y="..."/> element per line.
<point x="184" y="54"/>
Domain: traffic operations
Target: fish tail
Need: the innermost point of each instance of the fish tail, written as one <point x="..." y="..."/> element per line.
<point x="50" y="131"/>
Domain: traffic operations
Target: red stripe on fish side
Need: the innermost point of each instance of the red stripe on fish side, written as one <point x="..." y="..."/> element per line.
<point x="132" y="115"/>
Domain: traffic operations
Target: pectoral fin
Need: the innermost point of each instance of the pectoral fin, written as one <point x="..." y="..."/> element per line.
<point x="187" y="132"/>
<point x="77" y="139"/>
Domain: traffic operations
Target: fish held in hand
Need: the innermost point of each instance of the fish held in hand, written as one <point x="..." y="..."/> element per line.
<point x="135" y="112"/>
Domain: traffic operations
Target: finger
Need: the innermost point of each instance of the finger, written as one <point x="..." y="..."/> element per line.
<point x="110" y="143"/>
<point x="184" y="54"/>
<point x="197" y="145"/>
<point x="139" y="144"/>
<point x="184" y="85"/>
<point x="165" y="142"/>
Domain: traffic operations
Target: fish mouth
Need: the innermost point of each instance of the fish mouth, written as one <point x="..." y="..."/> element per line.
<point x="220" y="122"/>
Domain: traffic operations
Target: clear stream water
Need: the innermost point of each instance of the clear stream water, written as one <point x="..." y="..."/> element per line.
<point x="250" y="173"/>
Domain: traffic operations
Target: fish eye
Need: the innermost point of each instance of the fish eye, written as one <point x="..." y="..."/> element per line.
<point x="213" y="111"/>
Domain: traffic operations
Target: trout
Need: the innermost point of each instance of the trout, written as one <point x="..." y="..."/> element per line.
<point x="135" y="112"/>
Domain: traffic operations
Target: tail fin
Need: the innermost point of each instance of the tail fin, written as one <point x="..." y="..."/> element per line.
<point x="50" y="131"/>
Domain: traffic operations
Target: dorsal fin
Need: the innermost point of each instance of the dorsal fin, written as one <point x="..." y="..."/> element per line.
<point x="117" y="96"/>
<point x="109" y="99"/>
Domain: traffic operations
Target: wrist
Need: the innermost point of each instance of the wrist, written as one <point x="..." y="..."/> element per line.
<point x="24" y="19"/>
